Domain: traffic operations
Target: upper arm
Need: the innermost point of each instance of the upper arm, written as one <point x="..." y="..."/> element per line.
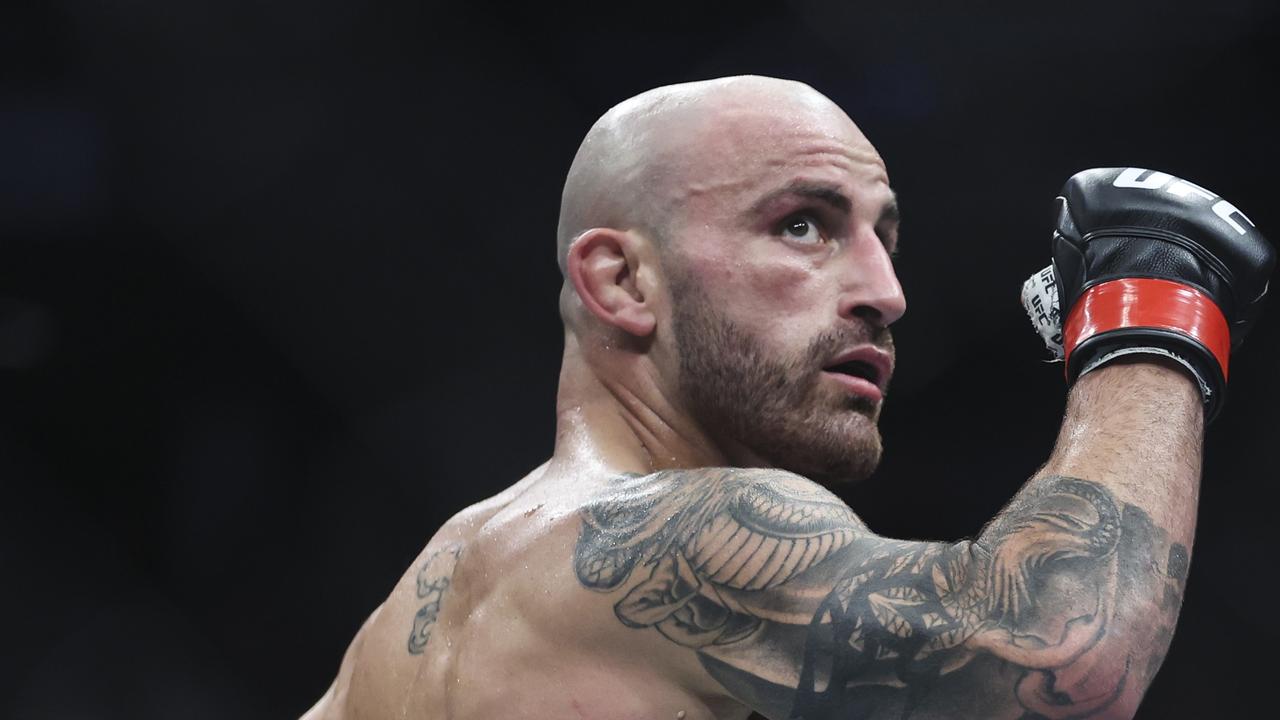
<point x="797" y="610"/>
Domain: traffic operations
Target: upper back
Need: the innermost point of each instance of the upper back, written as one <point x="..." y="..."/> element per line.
<point x="490" y="621"/>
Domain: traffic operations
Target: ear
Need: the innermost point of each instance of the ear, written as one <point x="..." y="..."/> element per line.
<point x="603" y="265"/>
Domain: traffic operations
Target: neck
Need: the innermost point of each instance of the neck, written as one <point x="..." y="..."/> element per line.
<point x="614" y="416"/>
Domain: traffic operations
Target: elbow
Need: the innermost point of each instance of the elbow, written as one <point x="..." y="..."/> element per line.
<point x="1106" y="686"/>
<point x="1106" y="681"/>
<point x="1093" y="665"/>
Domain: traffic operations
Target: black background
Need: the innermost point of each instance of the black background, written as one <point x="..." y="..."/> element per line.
<point x="278" y="296"/>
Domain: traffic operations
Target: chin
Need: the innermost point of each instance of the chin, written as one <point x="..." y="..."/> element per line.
<point x="848" y="470"/>
<point x="833" y="453"/>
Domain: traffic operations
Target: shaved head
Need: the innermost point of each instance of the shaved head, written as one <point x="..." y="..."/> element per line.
<point x="726" y="247"/>
<point x="646" y="155"/>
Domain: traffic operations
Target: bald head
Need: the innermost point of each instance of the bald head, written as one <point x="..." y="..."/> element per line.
<point x="643" y="157"/>
<point x="723" y="244"/>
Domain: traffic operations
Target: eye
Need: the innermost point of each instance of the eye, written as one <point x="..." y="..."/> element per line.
<point x="803" y="229"/>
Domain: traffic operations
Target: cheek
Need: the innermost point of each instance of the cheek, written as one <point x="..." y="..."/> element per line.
<point x="784" y="299"/>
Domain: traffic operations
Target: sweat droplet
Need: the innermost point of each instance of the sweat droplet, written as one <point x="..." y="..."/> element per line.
<point x="680" y="715"/>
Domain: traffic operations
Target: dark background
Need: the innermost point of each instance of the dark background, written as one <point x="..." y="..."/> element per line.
<point x="278" y="296"/>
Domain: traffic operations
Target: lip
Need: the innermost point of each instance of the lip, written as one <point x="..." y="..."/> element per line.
<point x="857" y="386"/>
<point x="871" y="355"/>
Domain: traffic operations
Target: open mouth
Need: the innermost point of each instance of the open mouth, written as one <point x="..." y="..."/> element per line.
<point x="858" y="369"/>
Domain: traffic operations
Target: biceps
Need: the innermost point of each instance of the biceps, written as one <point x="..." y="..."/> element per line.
<point x="798" y="611"/>
<point x="1019" y="627"/>
<point x="888" y="625"/>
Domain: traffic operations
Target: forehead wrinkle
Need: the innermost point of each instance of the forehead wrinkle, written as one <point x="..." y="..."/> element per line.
<point x="843" y="155"/>
<point x="763" y="169"/>
<point x="756" y="154"/>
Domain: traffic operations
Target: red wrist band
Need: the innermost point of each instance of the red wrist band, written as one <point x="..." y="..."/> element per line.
<point x="1149" y="303"/>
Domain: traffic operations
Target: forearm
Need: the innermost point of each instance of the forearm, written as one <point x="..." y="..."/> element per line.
<point x="1130" y="445"/>
<point x="1137" y="428"/>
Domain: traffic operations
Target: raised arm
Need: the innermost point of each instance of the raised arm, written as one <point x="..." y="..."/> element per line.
<point x="1062" y="608"/>
<point x="1064" y="605"/>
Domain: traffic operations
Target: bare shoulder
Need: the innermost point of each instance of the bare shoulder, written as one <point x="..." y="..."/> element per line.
<point x="746" y="529"/>
<point x="465" y="523"/>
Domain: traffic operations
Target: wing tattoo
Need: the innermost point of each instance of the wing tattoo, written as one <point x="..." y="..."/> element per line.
<point x="711" y="543"/>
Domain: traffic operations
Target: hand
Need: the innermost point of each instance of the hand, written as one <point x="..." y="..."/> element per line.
<point x="1144" y="262"/>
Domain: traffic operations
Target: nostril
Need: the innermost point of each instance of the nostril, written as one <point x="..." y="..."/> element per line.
<point x="868" y="313"/>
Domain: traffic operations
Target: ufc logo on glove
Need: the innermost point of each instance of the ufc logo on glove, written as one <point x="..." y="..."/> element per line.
<point x="1132" y="178"/>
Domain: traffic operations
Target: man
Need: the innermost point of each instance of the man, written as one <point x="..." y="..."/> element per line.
<point x="729" y="287"/>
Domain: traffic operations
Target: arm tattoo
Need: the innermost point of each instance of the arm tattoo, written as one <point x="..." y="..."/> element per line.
<point x="434" y="578"/>
<point x="706" y="544"/>
<point x="795" y="607"/>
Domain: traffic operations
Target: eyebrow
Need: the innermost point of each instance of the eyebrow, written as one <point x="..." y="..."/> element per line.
<point x="891" y="214"/>
<point x="822" y="192"/>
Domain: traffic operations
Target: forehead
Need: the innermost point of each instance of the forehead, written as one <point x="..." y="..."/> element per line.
<point x="744" y="150"/>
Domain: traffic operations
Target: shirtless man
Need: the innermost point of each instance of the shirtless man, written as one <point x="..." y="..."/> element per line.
<point x="729" y="286"/>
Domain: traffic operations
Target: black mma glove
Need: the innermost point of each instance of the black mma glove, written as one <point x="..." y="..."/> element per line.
<point x="1144" y="262"/>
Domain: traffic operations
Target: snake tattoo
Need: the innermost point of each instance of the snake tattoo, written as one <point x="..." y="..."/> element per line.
<point x="728" y="561"/>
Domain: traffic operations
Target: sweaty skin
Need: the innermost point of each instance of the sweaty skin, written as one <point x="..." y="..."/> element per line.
<point x="726" y="246"/>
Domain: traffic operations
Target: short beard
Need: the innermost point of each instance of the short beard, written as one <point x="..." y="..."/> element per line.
<point x="775" y="407"/>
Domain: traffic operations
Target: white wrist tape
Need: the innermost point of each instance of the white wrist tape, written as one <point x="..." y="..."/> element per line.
<point x="1040" y="300"/>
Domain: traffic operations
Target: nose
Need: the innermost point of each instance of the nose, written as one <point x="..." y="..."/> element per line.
<point x="871" y="289"/>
